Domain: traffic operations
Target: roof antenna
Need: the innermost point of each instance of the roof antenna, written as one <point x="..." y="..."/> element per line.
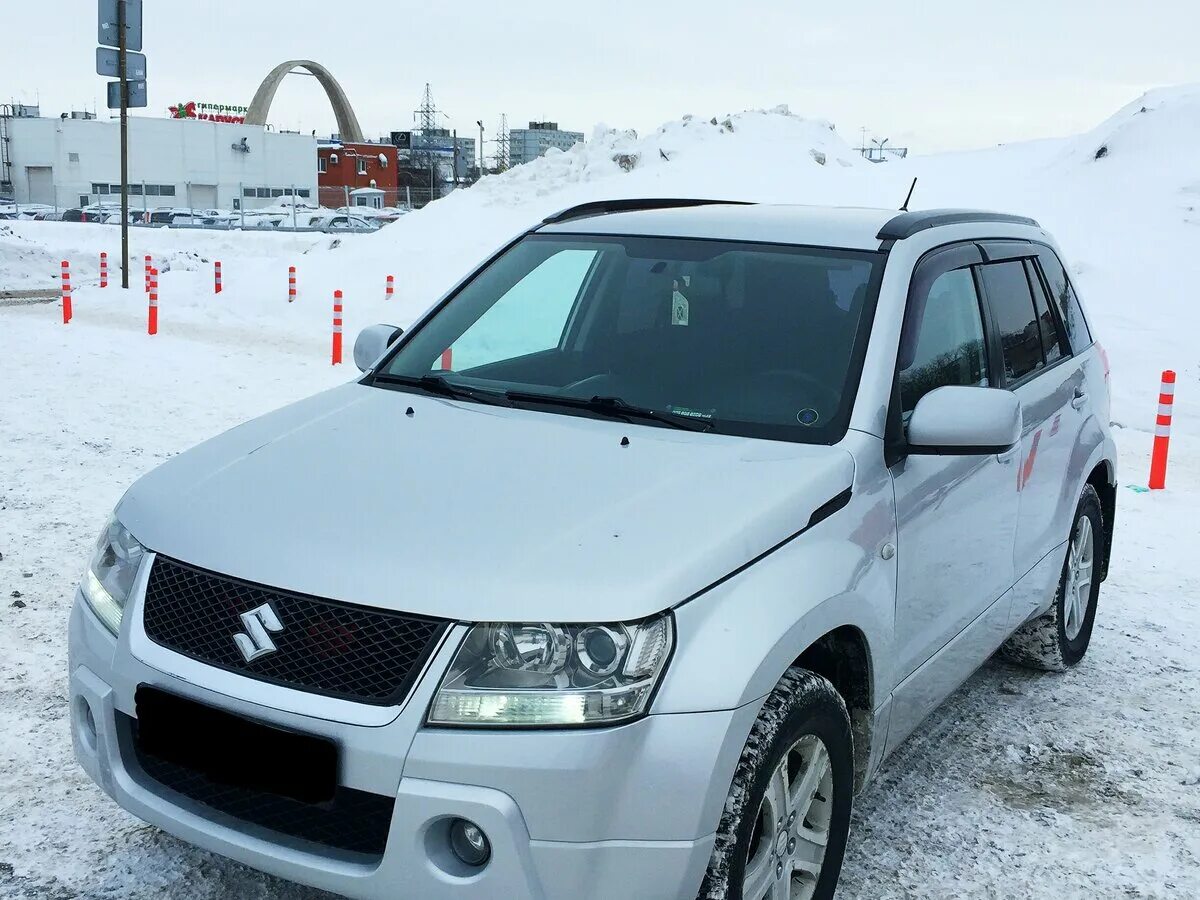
<point x="904" y="208"/>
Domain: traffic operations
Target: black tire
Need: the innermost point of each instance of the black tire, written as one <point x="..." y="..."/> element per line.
<point x="802" y="704"/>
<point x="1043" y="643"/>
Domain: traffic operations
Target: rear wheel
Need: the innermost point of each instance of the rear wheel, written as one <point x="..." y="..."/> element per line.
<point x="1060" y="639"/>
<point x="783" y="831"/>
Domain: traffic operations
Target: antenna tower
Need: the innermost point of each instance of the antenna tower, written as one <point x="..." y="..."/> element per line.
<point x="503" y="160"/>
<point x="428" y="114"/>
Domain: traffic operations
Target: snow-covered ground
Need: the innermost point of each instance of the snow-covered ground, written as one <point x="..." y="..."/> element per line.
<point x="1023" y="785"/>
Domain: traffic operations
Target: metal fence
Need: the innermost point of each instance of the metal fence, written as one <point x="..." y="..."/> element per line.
<point x="404" y="197"/>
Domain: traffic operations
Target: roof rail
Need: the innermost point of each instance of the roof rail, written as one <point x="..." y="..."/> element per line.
<point x="907" y="224"/>
<point x="633" y="204"/>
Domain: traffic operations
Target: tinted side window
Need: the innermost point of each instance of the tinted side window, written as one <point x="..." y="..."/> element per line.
<point x="1008" y="295"/>
<point x="1052" y="342"/>
<point x="1064" y="296"/>
<point x="950" y="347"/>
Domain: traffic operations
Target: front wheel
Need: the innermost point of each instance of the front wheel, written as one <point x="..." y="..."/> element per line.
<point x="784" y="827"/>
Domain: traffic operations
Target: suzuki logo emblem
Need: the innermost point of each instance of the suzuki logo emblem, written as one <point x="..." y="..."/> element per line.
<point x="255" y="641"/>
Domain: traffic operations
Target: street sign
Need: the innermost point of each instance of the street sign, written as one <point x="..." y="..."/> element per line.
<point x="108" y="35"/>
<point x="108" y="64"/>
<point x="137" y="95"/>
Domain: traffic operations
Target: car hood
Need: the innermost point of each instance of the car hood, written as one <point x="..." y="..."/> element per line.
<point x="478" y="513"/>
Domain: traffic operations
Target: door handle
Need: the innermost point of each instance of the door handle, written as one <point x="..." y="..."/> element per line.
<point x="1079" y="399"/>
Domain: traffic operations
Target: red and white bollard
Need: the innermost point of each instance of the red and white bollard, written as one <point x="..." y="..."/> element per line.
<point x="147" y="273"/>
<point x="217" y="277"/>
<point x="1162" y="432"/>
<point x="103" y="270"/>
<point x="448" y="359"/>
<point x="152" y="321"/>
<point x="66" y="291"/>
<point x="391" y="287"/>
<point x="291" y="284"/>
<point x="337" y="328"/>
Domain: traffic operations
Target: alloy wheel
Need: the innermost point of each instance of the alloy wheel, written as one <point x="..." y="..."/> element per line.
<point x="787" y="844"/>
<point x="1077" y="593"/>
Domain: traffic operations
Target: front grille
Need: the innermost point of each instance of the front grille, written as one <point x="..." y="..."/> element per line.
<point x="355" y="821"/>
<point x="324" y="647"/>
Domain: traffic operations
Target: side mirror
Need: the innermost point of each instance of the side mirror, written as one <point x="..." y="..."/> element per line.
<point x="965" y="421"/>
<point x="372" y="342"/>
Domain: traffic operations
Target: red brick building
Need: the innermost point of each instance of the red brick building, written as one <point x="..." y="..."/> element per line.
<point x="345" y="167"/>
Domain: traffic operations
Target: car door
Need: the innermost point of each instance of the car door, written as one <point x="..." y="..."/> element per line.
<point x="956" y="514"/>
<point x="1039" y="368"/>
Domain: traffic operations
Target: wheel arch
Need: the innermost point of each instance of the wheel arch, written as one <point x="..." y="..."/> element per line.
<point x="842" y="656"/>
<point x="1103" y="479"/>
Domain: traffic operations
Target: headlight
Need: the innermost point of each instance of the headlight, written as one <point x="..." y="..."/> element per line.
<point x="109" y="576"/>
<point x="544" y="674"/>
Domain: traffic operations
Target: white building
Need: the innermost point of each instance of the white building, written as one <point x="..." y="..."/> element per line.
<point x="527" y="144"/>
<point x="69" y="162"/>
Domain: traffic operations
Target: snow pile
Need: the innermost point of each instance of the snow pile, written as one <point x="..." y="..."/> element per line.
<point x="1129" y="224"/>
<point x="715" y="157"/>
<point x="31" y="253"/>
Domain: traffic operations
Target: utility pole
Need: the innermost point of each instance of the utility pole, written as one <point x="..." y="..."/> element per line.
<point x="123" y="48"/>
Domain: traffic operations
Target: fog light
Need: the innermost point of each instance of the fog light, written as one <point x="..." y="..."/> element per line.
<point x="469" y="843"/>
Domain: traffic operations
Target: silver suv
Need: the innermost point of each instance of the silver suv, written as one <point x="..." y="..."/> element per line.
<point x="621" y="571"/>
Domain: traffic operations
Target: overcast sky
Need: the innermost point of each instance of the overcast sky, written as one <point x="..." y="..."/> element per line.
<point x="932" y="74"/>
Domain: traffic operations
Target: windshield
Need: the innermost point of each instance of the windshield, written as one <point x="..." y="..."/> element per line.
<point x="749" y="339"/>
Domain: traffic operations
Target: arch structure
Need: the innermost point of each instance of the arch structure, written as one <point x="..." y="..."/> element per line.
<point x="260" y="106"/>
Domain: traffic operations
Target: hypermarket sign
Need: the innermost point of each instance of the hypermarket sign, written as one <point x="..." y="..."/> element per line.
<point x="209" y="112"/>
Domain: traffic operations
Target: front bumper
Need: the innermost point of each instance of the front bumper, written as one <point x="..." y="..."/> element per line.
<point x="605" y="813"/>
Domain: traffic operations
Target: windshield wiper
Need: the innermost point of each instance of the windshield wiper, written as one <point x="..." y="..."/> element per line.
<point x="437" y="384"/>
<point x="612" y="407"/>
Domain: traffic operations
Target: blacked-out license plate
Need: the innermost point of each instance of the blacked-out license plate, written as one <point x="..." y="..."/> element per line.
<point x="232" y="750"/>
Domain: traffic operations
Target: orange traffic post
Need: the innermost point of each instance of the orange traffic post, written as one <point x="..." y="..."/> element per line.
<point x="391" y="287"/>
<point x="152" y="322"/>
<point x="448" y="359"/>
<point x="337" y="328"/>
<point x="103" y="269"/>
<point x="291" y="284"/>
<point x="1162" y="432"/>
<point x="217" y="277"/>
<point x="66" y="291"/>
<point x="147" y="273"/>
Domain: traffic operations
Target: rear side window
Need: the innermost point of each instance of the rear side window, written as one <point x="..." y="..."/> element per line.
<point x="1052" y="341"/>
<point x="950" y="347"/>
<point x="1011" y="303"/>
<point x="1063" y="295"/>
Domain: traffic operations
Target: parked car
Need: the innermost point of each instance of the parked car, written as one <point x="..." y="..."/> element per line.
<point x="113" y="217"/>
<point x="622" y="570"/>
<point x="258" y="220"/>
<point x="336" y="223"/>
<point x="33" y="211"/>
<point x="87" y="214"/>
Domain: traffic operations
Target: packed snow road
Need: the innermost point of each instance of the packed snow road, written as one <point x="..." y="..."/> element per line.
<point x="1023" y="785"/>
